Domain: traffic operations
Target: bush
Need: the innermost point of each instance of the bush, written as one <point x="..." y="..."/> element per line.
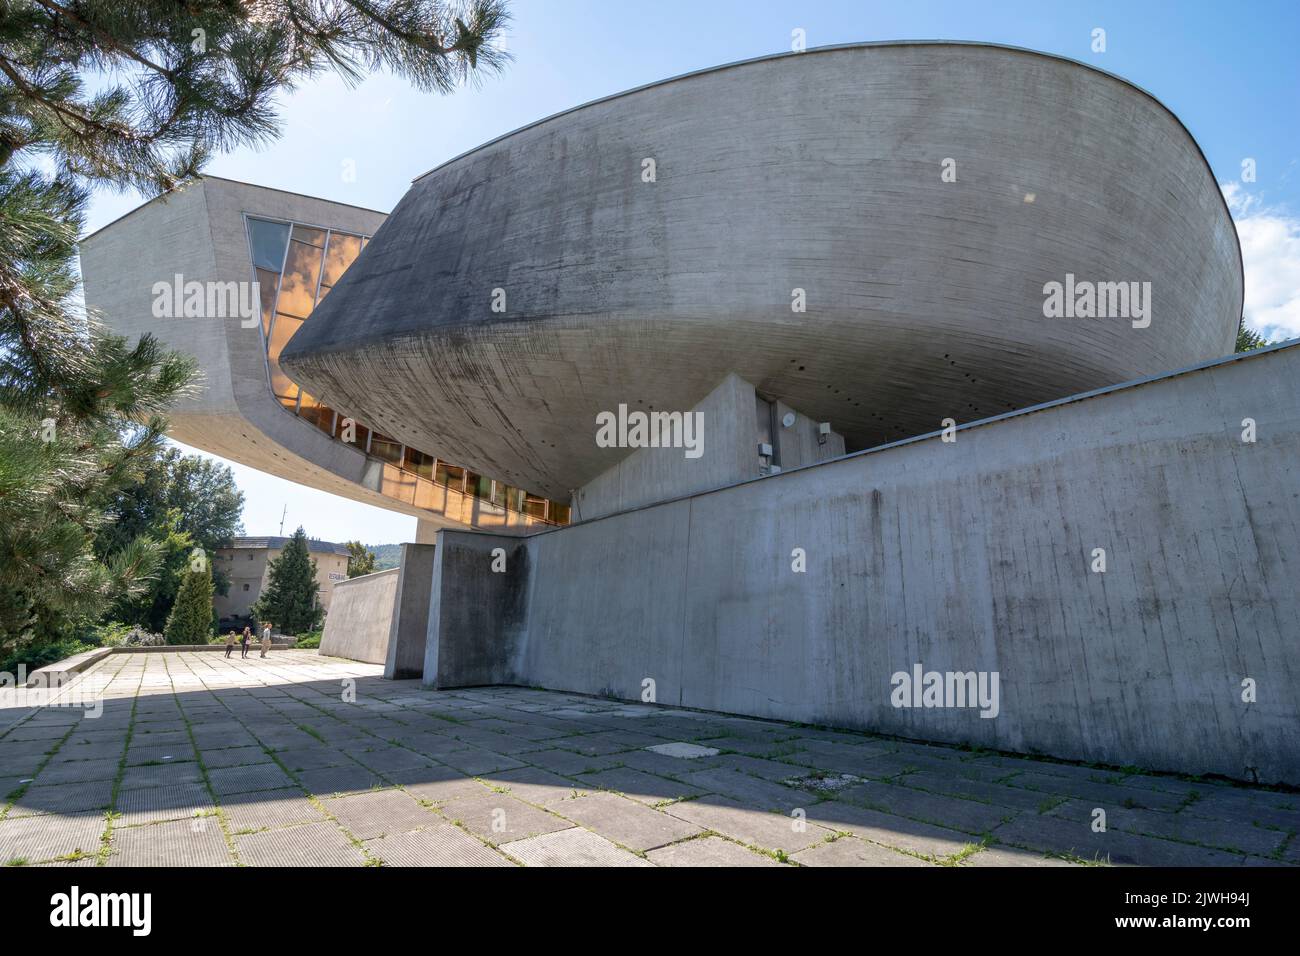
<point x="138" y="637"/>
<point x="191" y="619"/>
<point x="309" y="639"/>
<point x="43" y="654"/>
<point x="112" y="634"/>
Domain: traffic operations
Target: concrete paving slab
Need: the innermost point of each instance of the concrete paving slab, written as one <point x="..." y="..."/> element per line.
<point x="196" y="842"/>
<point x="312" y="844"/>
<point x="850" y="851"/>
<point x="572" y="847"/>
<point x="1047" y="833"/>
<point x="234" y="757"/>
<point x="900" y="833"/>
<point x="265" y="776"/>
<point x="499" y="818"/>
<point x="35" y="839"/>
<point x="370" y="815"/>
<point x="626" y="822"/>
<point x="340" y="780"/>
<point x="709" y="851"/>
<point x="643" y="787"/>
<point x="440" y="845"/>
<point x="769" y="831"/>
<point x="535" y="785"/>
<point x="268" y="809"/>
<point x="753" y="791"/>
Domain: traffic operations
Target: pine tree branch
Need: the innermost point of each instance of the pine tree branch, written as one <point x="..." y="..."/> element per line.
<point x="106" y="39"/>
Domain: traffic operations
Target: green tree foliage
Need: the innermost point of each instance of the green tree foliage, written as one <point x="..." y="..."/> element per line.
<point x="1248" y="339"/>
<point x="180" y="502"/>
<point x="361" y="560"/>
<point x="190" y="621"/>
<point x="137" y="94"/>
<point x="289" y="599"/>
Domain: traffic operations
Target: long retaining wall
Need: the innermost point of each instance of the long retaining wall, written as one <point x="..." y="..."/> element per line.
<point x="360" y="620"/>
<point x="976" y="555"/>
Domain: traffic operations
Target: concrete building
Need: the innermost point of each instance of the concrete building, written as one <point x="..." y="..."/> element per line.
<point x="246" y="562"/>
<point x="798" y="374"/>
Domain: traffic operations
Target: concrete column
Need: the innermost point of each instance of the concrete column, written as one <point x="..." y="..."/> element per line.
<point x="477" y="609"/>
<point x="405" y="657"/>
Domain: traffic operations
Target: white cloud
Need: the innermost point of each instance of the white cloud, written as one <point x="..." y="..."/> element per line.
<point x="1270" y="250"/>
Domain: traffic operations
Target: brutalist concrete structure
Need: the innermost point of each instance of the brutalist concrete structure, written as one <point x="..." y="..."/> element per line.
<point x="229" y="272"/>
<point x="950" y="321"/>
<point x="521" y="289"/>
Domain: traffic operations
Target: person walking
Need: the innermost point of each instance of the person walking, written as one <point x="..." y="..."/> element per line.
<point x="266" y="637"/>
<point x="245" y="641"/>
<point x="230" y="642"/>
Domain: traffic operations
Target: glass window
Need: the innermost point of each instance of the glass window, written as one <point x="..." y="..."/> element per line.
<point x="480" y="486"/>
<point x="322" y="416"/>
<point x="449" y="475"/>
<point x="283" y="388"/>
<point x="361" y="434"/>
<point x="298" y="284"/>
<point x="418" y="463"/>
<point x="267" y="283"/>
<point x="385" y="448"/>
<point x="339" y="254"/>
<point x="267" y="240"/>
<point x="313" y="237"/>
<point x="534" y="506"/>
<point x="281" y="332"/>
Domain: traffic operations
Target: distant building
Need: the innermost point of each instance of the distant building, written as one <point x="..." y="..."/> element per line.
<point x="245" y="563"/>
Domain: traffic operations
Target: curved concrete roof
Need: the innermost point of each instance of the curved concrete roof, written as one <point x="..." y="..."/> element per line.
<point x="818" y="171"/>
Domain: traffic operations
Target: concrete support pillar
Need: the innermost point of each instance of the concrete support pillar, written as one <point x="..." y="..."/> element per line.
<point x="477" y="609"/>
<point x="410" y="613"/>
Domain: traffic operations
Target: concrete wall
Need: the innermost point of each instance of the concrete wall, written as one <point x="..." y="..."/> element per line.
<point x="476" y="613"/>
<point x="728" y="453"/>
<point x="802" y="444"/>
<point x="410" y="625"/>
<point x="359" y="625"/>
<point x="969" y="556"/>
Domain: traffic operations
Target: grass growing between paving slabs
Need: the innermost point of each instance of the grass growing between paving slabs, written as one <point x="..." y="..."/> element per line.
<point x="417" y="772"/>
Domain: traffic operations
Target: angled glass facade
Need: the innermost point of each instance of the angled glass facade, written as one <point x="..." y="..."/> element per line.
<point x="296" y="266"/>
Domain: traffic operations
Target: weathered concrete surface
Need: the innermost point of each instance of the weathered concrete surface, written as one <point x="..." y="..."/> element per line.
<point x="200" y="233"/>
<point x="297" y="776"/>
<point x="359" y="625"/>
<point x="728" y="453"/>
<point x="967" y="556"/>
<point x="410" y="625"/>
<point x="476" y="613"/>
<point x="819" y="171"/>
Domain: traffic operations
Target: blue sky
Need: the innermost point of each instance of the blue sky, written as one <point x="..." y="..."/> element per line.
<point x="1230" y="72"/>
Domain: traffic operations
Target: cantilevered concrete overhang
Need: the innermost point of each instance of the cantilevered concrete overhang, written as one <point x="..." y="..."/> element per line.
<point x="821" y="172"/>
<point x="200" y="234"/>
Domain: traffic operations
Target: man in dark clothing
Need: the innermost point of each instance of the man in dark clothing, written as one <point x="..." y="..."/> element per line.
<point x="243" y="643"/>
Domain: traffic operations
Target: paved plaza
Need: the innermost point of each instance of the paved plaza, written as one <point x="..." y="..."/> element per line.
<point x="307" y="760"/>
